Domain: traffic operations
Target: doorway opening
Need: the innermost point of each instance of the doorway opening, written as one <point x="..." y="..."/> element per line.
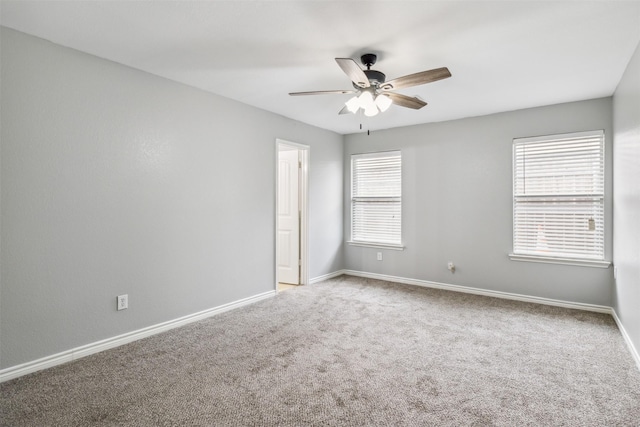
<point x="292" y="165"/>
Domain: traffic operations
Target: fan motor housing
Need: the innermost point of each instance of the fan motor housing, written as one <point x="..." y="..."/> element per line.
<point x="376" y="78"/>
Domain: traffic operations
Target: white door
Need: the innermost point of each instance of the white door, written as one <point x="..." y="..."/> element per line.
<point x="288" y="220"/>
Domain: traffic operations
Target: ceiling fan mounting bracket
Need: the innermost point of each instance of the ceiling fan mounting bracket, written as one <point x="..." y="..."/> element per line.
<point x="369" y="59"/>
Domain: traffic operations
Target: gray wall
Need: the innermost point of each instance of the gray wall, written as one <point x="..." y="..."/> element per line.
<point x="457" y="203"/>
<point x="626" y="199"/>
<point x="117" y="181"/>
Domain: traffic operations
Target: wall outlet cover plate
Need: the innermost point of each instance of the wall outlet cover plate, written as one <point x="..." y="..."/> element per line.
<point x="122" y="302"/>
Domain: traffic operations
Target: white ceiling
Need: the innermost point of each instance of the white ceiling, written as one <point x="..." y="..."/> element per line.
<point x="503" y="55"/>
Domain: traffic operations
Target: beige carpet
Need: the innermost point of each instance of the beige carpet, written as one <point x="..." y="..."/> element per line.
<point x="350" y="352"/>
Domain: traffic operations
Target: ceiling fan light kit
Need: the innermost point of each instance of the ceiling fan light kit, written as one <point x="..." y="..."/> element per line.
<point x="372" y="91"/>
<point x="370" y="105"/>
<point x="383" y="102"/>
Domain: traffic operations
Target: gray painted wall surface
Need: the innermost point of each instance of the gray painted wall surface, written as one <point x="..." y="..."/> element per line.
<point x="626" y="199"/>
<point x="116" y="181"/>
<point x="457" y="203"/>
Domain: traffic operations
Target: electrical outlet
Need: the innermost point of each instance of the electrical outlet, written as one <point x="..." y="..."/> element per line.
<point x="451" y="267"/>
<point x="123" y="302"/>
<point x="379" y="256"/>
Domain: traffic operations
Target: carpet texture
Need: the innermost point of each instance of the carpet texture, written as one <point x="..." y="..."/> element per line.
<point x="350" y="352"/>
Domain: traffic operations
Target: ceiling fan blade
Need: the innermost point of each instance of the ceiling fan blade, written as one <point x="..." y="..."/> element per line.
<point x="322" y="92"/>
<point x="417" y="79"/>
<point x="344" y="110"/>
<point x="406" y="101"/>
<point x="353" y="71"/>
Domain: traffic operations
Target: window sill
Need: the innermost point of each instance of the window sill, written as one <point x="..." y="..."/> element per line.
<point x="562" y="261"/>
<point x="376" y="245"/>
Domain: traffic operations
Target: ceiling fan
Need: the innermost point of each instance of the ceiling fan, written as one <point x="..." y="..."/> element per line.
<point x="372" y="92"/>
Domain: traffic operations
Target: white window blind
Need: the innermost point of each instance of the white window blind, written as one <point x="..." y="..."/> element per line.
<point x="558" y="203"/>
<point x="376" y="197"/>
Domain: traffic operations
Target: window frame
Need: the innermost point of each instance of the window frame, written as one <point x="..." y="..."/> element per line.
<point x="396" y="198"/>
<point x="577" y="260"/>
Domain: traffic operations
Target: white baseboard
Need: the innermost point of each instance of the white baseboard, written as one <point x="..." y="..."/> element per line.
<point x="86" y="350"/>
<point x="485" y="292"/>
<point x="326" y="276"/>
<point x="627" y="339"/>
<point x="98" y="346"/>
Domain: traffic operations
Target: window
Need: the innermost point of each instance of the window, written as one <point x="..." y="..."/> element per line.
<point x="376" y="198"/>
<point x="558" y="198"/>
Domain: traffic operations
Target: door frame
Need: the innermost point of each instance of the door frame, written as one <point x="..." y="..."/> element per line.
<point x="303" y="201"/>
